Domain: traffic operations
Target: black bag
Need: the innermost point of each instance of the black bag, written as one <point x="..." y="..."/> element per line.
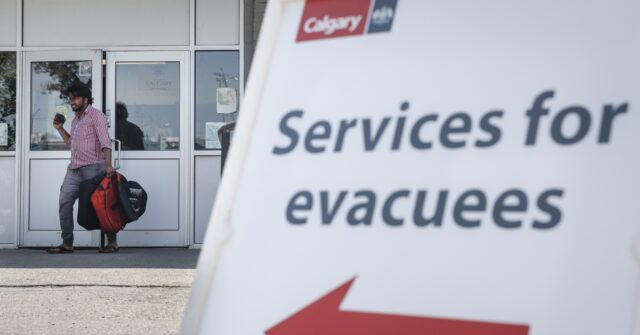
<point x="87" y="217"/>
<point x="133" y="199"/>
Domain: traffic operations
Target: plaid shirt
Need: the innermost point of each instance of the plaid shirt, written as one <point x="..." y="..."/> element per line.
<point x="89" y="135"/>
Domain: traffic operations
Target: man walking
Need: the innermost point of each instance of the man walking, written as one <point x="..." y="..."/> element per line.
<point x="90" y="156"/>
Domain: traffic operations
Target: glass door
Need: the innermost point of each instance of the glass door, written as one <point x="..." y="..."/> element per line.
<point x="47" y="76"/>
<point x="146" y="97"/>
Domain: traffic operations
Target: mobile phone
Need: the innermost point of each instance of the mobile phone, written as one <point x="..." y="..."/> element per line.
<point x="59" y="118"/>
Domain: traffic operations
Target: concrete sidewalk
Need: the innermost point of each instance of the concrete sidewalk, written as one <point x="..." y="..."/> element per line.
<point x="134" y="291"/>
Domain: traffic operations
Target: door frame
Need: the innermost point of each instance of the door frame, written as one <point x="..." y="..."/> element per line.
<point x="49" y="237"/>
<point x="183" y="155"/>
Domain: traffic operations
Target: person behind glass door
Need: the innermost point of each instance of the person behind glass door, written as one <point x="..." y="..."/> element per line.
<point x="127" y="132"/>
<point x="90" y="156"/>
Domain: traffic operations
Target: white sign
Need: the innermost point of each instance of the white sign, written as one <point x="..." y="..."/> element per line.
<point x="84" y="71"/>
<point x="211" y="134"/>
<point x="226" y="100"/>
<point x="4" y="134"/>
<point x="448" y="168"/>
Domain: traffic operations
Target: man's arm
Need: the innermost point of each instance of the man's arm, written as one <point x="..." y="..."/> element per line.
<point x="100" y="124"/>
<point x="107" y="162"/>
<point x="65" y="136"/>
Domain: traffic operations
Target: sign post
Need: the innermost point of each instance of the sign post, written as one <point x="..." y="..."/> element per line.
<point x="417" y="167"/>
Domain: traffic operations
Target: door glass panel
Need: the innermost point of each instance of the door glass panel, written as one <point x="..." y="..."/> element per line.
<point x="7" y="101"/>
<point x="148" y="105"/>
<point x="217" y="95"/>
<point x="49" y="82"/>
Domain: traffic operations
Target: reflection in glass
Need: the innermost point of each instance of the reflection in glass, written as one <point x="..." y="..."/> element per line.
<point x="49" y="82"/>
<point x="217" y="95"/>
<point x="7" y="101"/>
<point x="149" y="98"/>
<point x="127" y="132"/>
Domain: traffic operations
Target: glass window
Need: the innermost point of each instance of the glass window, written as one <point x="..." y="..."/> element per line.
<point x="217" y="95"/>
<point x="148" y="105"/>
<point x="49" y="82"/>
<point x="7" y="101"/>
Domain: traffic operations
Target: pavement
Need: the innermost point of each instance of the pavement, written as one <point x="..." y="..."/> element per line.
<point x="134" y="291"/>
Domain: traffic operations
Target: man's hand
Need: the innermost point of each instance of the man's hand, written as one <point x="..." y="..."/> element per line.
<point x="65" y="136"/>
<point x="109" y="170"/>
<point x="108" y="167"/>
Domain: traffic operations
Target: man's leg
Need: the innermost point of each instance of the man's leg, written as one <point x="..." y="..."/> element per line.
<point x="69" y="192"/>
<point x="112" y="244"/>
<point x="112" y="240"/>
<point x="90" y="171"/>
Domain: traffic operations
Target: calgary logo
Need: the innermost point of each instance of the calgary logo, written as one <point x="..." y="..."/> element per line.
<point x="328" y="25"/>
<point x="323" y="19"/>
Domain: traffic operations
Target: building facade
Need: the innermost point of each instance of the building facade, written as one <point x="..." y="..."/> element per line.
<point x="166" y="73"/>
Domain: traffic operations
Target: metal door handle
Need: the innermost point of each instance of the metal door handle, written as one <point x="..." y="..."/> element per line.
<point x="116" y="163"/>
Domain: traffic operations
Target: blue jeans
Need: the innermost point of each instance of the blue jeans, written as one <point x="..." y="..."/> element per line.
<point x="69" y="192"/>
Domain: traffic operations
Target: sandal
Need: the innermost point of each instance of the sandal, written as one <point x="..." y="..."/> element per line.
<point x="61" y="249"/>
<point x="108" y="249"/>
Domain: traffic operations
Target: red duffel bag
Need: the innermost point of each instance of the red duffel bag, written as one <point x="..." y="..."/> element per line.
<point x="106" y="202"/>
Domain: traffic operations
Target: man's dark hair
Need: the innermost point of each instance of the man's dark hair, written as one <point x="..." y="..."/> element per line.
<point x="121" y="111"/>
<point x="80" y="90"/>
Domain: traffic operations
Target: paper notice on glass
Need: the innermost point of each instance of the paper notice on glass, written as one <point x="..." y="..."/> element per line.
<point x="84" y="71"/>
<point x="165" y="131"/>
<point x="227" y="100"/>
<point x="211" y="140"/>
<point x="4" y="134"/>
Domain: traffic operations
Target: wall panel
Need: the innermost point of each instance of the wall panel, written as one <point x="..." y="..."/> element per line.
<point x="207" y="176"/>
<point x="8" y="23"/>
<point x="108" y="23"/>
<point x="217" y="22"/>
<point x="7" y="200"/>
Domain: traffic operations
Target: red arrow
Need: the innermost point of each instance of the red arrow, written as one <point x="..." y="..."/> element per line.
<point x="323" y="317"/>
